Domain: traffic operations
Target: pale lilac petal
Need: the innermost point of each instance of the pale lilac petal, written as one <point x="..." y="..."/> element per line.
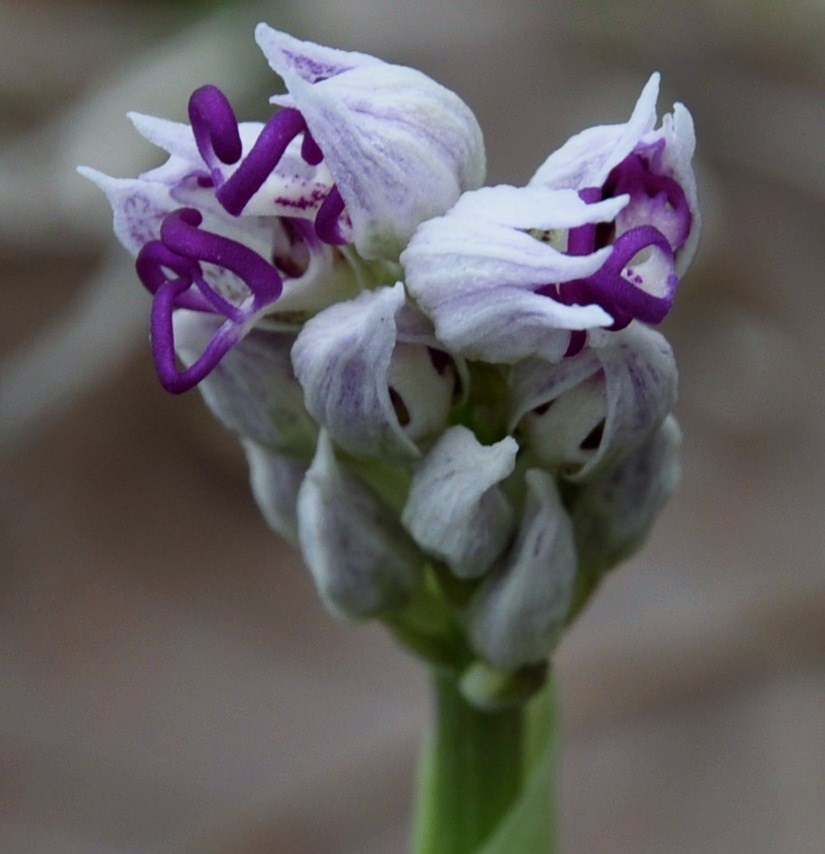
<point x="139" y="207"/>
<point x="613" y="515"/>
<point x="582" y="415"/>
<point x="275" y="479"/>
<point x="342" y="359"/>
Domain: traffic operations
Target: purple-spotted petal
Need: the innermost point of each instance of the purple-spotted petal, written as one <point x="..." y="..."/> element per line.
<point x="139" y="207"/>
<point x="400" y="147"/>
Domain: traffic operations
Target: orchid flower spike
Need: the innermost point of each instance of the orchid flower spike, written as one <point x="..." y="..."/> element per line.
<point x="251" y="222"/>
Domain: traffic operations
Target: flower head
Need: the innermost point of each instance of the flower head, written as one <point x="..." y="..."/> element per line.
<point x="449" y="395"/>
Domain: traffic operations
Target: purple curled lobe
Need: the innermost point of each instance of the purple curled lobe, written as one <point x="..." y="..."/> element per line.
<point x="170" y="268"/>
<point x="216" y="134"/>
<point x="215" y="128"/>
<point x="645" y="291"/>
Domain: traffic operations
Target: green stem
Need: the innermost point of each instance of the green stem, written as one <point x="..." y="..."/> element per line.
<point x="472" y="773"/>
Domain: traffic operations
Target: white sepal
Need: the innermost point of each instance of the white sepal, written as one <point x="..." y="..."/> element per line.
<point x="362" y="560"/>
<point x="361" y="384"/>
<point x="455" y="510"/>
<point x="586" y="159"/>
<point x="518" y="613"/>
<point x="477" y="272"/>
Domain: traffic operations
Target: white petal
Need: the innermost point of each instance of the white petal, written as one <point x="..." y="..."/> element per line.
<point x="455" y="510"/>
<point x="535" y="207"/>
<point x="586" y="159"/>
<point x="342" y="359"/>
<point x="680" y="145"/>
<point x="519" y="612"/>
<point x="475" y="272"/>
<point x="175" y="138"/>
<point x="400" y="147"/>
<point x="362" y="560"/>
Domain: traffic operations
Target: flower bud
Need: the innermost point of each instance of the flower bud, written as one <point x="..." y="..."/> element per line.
<point x="400" y="147"/>
<point x="583" y="414"/>
<point x="376" y="395"/>
<point x="518" y="613"/>
<point x="455" y="510"/>
<point x="362" y="560"/>
<point x="613" y="514"/>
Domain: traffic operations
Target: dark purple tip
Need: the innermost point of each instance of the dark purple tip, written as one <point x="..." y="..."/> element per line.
<point x="214" y="126"/>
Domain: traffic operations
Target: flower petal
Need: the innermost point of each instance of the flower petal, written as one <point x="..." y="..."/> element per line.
<point x="455" y="510"/>
<point x="400" y="147"/>
<point x="362" y="560"/>
<point x="477" y="270"/>
<point x="518" y="613"/>
<point x="586" y="159"/>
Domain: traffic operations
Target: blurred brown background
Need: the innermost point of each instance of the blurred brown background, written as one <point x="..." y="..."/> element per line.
<point x="168" y="681"/>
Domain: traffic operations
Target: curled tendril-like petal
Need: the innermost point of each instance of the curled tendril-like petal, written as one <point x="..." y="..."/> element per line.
<point x="215" y="128"/>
